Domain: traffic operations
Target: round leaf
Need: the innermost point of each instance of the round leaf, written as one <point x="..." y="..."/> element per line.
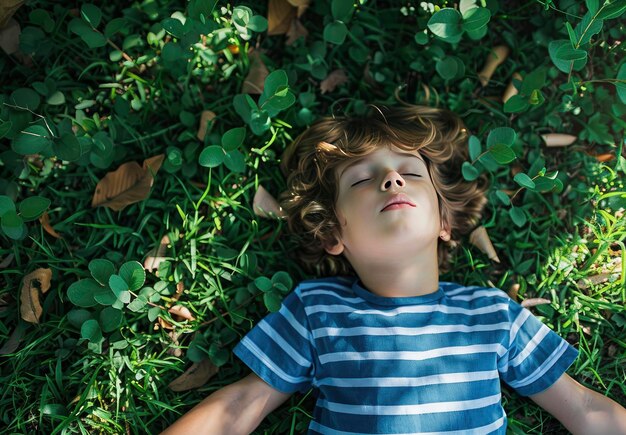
<point x="31" y="140"/>
<point x="283" y="278"/>
<point x="110" y="319"/>
<point x="33" y="207"/>
<point x="101" y="270"/>
<point x="524" y="180"/>
<point x="516" y="104"/>
<point x="81" y="293"/>
<point x="117" y="284"/>
<point x="447" y="24"/>
<point x="475" y="148"/>
<point x="272" y="301"/>
<point x="78" y="317"/>
<point x="335" y="32"/>
<point x="212" y="156"/>
<point x="25" y="97"/>
<point x="503" y="197"/>
<point x="501" y="135"/>
<point x="502" y="153"/>
<point x="342" y="10"/>
<point x="235" y="161"/>
<point x="56" y="99"/>
<point x="6" y="204"/>
<point x="12" y="225"/>
<point x="257" y="23"/>
<point x="5" y="127"/>
<point x="91" y="13"/>
<point x="91" y="331"/>
<point x="517" y="216"/>
<point x="476" y="19"/>
<point x="469" y="171"/>
<point x="446" y="68"/>
<point x="233" y="138"/>
<point x="133" y="273"/>
<point x="105" y="296"/>
<point x="263" y="283"/>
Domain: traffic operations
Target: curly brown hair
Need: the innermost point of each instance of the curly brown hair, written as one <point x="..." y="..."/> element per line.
<point x="310" y="162"/>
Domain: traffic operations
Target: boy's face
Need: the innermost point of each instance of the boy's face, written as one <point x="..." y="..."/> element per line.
<point x="387" y="207"/>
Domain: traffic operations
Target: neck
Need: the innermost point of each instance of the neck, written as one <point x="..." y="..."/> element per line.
<point x="405" y="278"/>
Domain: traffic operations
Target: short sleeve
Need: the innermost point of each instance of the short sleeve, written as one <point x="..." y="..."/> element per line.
<point x="536" y="356"/>
<point x="279" y="348"/>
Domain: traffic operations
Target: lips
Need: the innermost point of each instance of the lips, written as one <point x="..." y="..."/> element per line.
<point x="397" y="201"/>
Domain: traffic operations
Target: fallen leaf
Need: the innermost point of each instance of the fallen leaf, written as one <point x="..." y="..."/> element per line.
<point x="13" y="341"/>
<point x="302" y="5"/>
<point x="336" y="78"/>
<point x="10" y="37"/>
<point x="558" y="139"/>
<point x="5" y="263"/>
<point x="593" y="280"/>
<point x="280" y="14"/>
<point x="196" y="376"/>
<point x="174" y="349"/>
<point x="606" y="157"/>
<point x="156" y="255"/>
<point x="30" y="307"/>
<point x="496" y="56"/>
<point x="45" y="223"/>
<point x="533" y="302"/>
<point x="296" y="30"/>
<point x="180" y="287"/>
<point x="179" y="312"/>
<point x="7" y="9"/>
<point x="126" y="185"/>
<point x="511" y="89"/>
<point x="255" y="80"/>
<point x="481" y="240"/>
<point x="265" y="205"/>
<point x="164" y="324"/>
<point x="205" y="118"/>
<point x="513" y="291"/>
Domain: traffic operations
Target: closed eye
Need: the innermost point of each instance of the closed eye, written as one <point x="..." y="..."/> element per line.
<point x="413" y="175"/>
<point x="359" y="182"/>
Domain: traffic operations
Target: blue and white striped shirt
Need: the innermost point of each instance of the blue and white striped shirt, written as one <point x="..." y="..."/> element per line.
<point x="426" y="364"/>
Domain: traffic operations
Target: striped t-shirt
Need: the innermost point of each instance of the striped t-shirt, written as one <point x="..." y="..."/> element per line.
<point x="425" y="364"/>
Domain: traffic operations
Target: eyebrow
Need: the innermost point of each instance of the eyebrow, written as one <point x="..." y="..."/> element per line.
<point x="361" y="159"/>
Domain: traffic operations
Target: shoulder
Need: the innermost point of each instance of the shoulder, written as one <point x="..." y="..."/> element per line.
<point x="472" y="297"/>
<point x="325" y="289"/>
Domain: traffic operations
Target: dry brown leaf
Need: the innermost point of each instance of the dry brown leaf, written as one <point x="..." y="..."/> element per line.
<point x="255" y="80"/>
<point x="174" y="349"/>
<point x="558" y="139"/>
<point x="302" y="5"/>
<point x="156" y="255"/>
<point x="593" y="280"/>
<point x="7" y="9"/>
<point x="180" y="287"/>
<point x="511" y="89"/>
<point x="45" y="223"/>
<point x="179" y="312"/>
<point x="280" y="14"/>
<point x="13" y="341"/>
<point x="164" y="324"/>
<point x="205" y="118"/>
<point x="296" y="30"/>
<point x="533" y="302"/>
<point x="196" y="376"/>
<point x="126" y="185"/>
<point x="513" y="291"/>
<point x="10" y="37"/>
<point x="496" y="56"/>
<point x="336" y="78"/>
<point x="265" y="205"/>
<point x="481" y="240"/>
<point x="30" y="307"/>
<point x="5" y="263"/>
<point x="606" y="157"/>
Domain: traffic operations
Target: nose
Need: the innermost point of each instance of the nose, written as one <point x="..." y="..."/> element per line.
<point x="392" y="180"/>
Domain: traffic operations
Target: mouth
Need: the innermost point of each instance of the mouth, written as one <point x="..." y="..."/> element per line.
<point x="397" y="202"/>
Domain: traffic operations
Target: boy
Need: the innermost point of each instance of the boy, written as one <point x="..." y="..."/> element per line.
<point x="376" y="203"/>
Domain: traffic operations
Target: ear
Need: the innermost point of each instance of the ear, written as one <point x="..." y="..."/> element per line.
<point x="335" y="248"/>
<point x="446" y="229"/>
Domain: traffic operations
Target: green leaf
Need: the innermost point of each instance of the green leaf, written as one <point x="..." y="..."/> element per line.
<point x="421" y="38"/>
<point x="533" y="80"/>
<point x="174" y="27"/>
<point x="235" y="161"/>
<point x="91" y="331"/>
<point x="263" y="283"/>
<point x="233" y="138"/>
<point x="81" y="293"/>
<point x="78" y="317"/>
<point x="446" y="24"/>
<point x="571" y="34"/>
<point x="447" y="68"/>
<point x="614" y="10"/>
<point x="257" y="24"/>
<point x="6" y="204"/>
<point x="42" y="18"/>
<point x="118" y="285"/>
<point x="110" y="319"/>
<point x="201" y="8"/>
<point x="259" y="122"/>
<point x="503" y="197"/>
<point x="502" y="135"/>
<point x="469" y="171"/>
<point x="335" y="32"/>
<point x="476" y="19"/>
<point x="133" y="273"/>
<point x="114" y="26"/>
<point x="172" y="52"/>
<point x="272" y="301"/>
<point x="138" y="304"/>
<point x="5" y="127"/>
<point x="12" y="225"/>
<point x="33" y="207"/>
<point x="561" y="64"/>
<point x="26" y="98"/>
<point x="212" y="156"/>
<point x="517" y="216"/>
<point x="101" y="270"/>
<point x="515" y="104"/>
<point x="56" y="99"/>
<point x="244" y="105"/>
<point x="592" y="6"/>
<point x="567" y="53"/>
<point x="153" y="313"/>
<point x="91" y="13"/>
<point x="283" y="278"/>
<point x="342" y="10"/>
<point x="502" y="153"/>
<point x="31" y="140"/>
<point x="524" y="180"/>
<point x="105" y="296"/>
<point x="621" y="87"/>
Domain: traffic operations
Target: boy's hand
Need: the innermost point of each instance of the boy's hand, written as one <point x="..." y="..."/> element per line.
<point x="235" y="409"/>
<point x="581" y="410"/>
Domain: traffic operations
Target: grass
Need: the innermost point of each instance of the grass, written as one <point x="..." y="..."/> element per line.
<point x="55" y="381"/>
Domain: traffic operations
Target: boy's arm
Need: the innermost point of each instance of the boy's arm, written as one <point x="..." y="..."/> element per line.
<point x="581" y="410"/>
<point x="235" y="409"/>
